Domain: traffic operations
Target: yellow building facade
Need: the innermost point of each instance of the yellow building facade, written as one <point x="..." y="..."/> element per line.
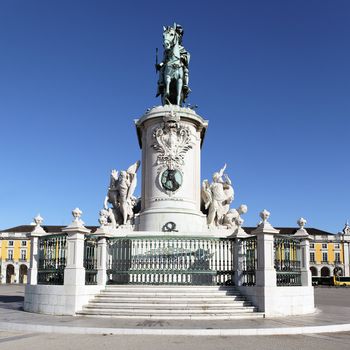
<point x="14" y="257"/>
<point x="329" y="253"/>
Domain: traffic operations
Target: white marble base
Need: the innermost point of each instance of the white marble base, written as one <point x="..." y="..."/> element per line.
<point x="281" y="301"/>
<point x="185" y="220"/>
<point x="58" y="300"/>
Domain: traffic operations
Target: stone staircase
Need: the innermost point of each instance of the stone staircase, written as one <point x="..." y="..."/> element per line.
<point x="170" y="302"/>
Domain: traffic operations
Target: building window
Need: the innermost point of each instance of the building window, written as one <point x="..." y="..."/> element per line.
<point x="325" y="257"/>
<point x="337" y="257"/>
<point x="24" y="243"/>
<point x="10" y="254"/>
<point x="312" y="257"/>
<point x="312" y="245"/>
<point x="336" y="245"/>
<point x="10" y="243"/>
<point x="23" y="254"/>
<point x="324" y="245"/>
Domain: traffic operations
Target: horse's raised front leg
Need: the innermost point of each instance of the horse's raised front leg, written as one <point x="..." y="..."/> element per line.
<point x="179" y="91"/>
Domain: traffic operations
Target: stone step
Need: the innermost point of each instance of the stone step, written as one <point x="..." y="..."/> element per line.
<point x="227" y="316"/>
<point x="153" y="306"/>
<point x="130" y="311"/>
<point x="169" y="294"/>
<point x="169" y="287"/>
<point x="174" y="300"/>
<point x="170" y="302"/>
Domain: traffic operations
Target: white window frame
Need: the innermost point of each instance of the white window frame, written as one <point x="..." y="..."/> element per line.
<point x="23" y="253"/>
<point x="10" y="253"/>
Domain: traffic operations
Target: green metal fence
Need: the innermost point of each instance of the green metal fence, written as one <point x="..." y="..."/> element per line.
<point x="170" y="260"/>
<point x="248" y="260"/>
<point x="52" y="259"/>
<point x="287" y="261"/>
<point x="90" y="260"/>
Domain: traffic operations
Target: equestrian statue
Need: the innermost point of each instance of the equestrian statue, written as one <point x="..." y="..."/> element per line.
<point x="173" y="70"/>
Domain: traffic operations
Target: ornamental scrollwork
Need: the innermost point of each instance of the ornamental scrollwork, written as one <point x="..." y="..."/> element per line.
<point x="172" y="141"/>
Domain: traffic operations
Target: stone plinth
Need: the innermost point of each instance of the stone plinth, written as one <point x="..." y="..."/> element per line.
<point x="170" y="138"/>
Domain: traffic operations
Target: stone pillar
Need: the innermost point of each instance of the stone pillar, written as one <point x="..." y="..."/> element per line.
<point x="34" y="251"/>
<point x="265" y="273"/>
<point x="306" y="277"/>
<point x="3" y="274"/>
<point x="102" y="233"/>
<point x="171" y="139"/>
<point x="74" y="272"/>
<point x="16" y="280"/>
<point x="239" y="253"/>
<point x="102" y="261"/>
<point x="346" y="257"/>
<point x="346" y="249"/>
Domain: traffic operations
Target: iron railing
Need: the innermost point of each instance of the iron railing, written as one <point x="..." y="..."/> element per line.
<point x="90" y="260"/>
<point x="247" y="260"/>
<point x="170" y="260"/>
<point x="287" y="261"/>
<point x="52" y="259"/>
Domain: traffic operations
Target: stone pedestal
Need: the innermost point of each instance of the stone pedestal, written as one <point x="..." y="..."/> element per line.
<point x="74" y="272"/>
<point x="265" y="273"/>
<point x="171" y="139"/>
<point x="102" y="233"/>
<point x="346" y="256"/>
<point x="304" y="258"/>
<point x="34" y="254"/>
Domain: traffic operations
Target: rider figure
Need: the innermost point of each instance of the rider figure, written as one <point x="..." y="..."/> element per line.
<point x="185" y="58"/>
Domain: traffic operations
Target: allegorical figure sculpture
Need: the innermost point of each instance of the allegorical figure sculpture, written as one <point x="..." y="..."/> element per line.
<point x="120" y="196"/>
<point x="173" y="70"/>
<point x="217" y="197"/>
<point x="233" y="216"/>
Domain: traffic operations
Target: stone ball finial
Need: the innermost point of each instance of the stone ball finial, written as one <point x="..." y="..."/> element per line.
<point x="302" y="222"/>
<point x="77" y="214"/>
<point x="265" y="214"/>
<point x="38" y="220"/>
<point x="243" y="208"/>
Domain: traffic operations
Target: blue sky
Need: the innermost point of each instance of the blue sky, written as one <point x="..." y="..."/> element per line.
<point x="272" y="77"/>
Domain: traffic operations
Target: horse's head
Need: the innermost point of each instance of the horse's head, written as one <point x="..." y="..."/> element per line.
<point x="170" y="37"/>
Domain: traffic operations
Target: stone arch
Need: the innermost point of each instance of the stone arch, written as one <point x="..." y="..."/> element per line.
<point x="314" y="271"/>
<point x="325" y="272"/>
<point x="10" y="273"/>
<point x="23" y="272"/>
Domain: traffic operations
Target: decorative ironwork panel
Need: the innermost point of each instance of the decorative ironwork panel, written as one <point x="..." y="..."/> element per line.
<point x="90" y="260"/>
<point x="287" y="261"/>
<point x="247" y="260"/>
<point x="154" y="260"/>
<point x="52" y="259"/>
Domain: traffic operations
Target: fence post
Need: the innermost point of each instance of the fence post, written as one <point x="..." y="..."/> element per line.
<point x="74" y="273"/>
<point x="302" y="234"/>
<point x="37" y="232"/>
<point x="102" y="233"/>
<point x="239" y="252"/>
<point x="265" y="272"/>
